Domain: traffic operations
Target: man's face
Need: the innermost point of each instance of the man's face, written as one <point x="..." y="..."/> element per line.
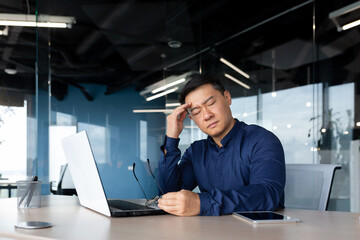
<point x="210" y="110"/>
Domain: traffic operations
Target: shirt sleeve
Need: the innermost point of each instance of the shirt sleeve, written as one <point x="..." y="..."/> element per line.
<point x="175" y="176"/>
<point x="266" y="183"/>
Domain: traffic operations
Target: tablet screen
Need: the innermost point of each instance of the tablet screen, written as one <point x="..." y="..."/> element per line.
<point x="263" y="215"/>
<point x="266" y="216"/>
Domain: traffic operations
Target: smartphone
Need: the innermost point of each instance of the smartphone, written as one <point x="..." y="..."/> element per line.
<point x="265" y="217"/>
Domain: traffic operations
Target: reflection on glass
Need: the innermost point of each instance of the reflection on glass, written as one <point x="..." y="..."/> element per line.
<point x="289" y="118"/>
<point x="245" y="109"/>
<point x="97" y="138"/>
<point x="143" y="140"/>
<point x="56" y="154"/>
<point x="334" y="143"/>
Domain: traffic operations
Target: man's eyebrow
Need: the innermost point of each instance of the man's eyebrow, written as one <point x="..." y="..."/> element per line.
<point x="208" y="99"/>
<point x="211" y="97"/>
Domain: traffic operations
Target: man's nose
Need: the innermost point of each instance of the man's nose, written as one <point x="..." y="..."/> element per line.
<point x="207" y="113"/>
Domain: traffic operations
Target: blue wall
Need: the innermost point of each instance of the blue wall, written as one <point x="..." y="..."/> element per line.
<point x="114" y="133"/>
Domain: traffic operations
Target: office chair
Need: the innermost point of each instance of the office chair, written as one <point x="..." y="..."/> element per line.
<point x="308" y="186"/>
<point x="65" y="185"/>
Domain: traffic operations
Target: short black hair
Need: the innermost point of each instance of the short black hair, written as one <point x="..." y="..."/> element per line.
<point x="197" y="81"/>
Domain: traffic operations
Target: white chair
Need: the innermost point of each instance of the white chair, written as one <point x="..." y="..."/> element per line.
<point x="308" y="186"/>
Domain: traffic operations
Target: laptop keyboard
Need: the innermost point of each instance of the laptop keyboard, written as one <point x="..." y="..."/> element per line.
<point x="125" y="205"/>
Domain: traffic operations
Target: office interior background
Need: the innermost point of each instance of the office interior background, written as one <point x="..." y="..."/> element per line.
<point x="288" y="65"/>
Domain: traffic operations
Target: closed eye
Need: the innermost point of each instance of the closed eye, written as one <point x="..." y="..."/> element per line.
<point x="196" y="112"/>
<point x="211" y="103"/>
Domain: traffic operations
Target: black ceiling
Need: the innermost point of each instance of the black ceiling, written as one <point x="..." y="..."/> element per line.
<point x="123" y="43"/>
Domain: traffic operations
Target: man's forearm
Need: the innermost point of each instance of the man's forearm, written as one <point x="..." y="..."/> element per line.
<point x="168" y="169"/>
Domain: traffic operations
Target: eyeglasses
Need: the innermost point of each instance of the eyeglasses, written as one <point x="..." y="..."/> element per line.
<point x="156" y="198"/>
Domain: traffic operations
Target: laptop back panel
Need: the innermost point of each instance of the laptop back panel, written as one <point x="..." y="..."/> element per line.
<point x="84" y="172"/>
<point x="88" y="183"/>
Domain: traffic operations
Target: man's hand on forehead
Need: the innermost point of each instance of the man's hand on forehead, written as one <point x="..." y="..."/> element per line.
<point x="175" y="121"/>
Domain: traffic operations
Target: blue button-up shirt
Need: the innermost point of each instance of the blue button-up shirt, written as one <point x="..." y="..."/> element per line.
<point x="246" y="174"/>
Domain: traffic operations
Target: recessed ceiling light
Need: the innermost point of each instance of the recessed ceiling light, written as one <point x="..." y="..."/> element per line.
<point x="174" y="44"/>
<point x="10" y="71"/>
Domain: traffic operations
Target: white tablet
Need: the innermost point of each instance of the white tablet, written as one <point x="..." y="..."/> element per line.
<point x="265" y="217"/>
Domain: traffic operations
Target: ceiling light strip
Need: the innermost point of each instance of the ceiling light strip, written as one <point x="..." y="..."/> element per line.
<point x="234" y="67"/>
<point x="181" y="80"/>
<point x="351" y="25"/>
<point x="32" y="20"/>
<point x="33" y="24"/>
<point x="237" y="81"/>
<point x="172" y="104"/>
<point x="153" y="111"/>
<point x="162" y="94"/>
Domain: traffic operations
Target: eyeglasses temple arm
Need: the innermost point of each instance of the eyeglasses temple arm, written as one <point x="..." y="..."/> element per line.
<point x="152" y="174"/>
<point x="139" y="182"/>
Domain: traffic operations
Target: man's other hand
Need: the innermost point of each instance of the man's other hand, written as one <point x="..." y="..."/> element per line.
<point x="183" y="203"/>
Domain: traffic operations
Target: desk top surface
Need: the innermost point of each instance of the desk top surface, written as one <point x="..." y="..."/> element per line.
<point x="71" y="221"/>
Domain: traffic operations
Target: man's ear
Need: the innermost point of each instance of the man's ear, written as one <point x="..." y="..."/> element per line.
<point x="227" y="97"/>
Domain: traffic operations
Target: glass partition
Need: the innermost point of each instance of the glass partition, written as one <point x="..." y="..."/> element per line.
<point x="18" y="103"/>
<point x="301" y="85"/>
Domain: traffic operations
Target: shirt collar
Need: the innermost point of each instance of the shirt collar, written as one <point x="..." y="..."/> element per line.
<point x="228" y="136"/>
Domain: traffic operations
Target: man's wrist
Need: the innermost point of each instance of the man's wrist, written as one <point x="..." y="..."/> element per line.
<point x="171" y="142"/>
<point x="197" y="204"/>
<point x="172" y="135"/>
<point x="205" y="204"/>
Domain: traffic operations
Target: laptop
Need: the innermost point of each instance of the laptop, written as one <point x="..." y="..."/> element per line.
<point x="88" y="184"/>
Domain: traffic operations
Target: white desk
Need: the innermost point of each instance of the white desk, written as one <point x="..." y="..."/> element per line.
<point x="72" y="221"/>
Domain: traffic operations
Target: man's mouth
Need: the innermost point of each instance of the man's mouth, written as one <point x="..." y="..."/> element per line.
<point x="211" y="125"/>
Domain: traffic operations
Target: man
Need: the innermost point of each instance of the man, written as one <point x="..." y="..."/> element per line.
<point x="239" y="167"/>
